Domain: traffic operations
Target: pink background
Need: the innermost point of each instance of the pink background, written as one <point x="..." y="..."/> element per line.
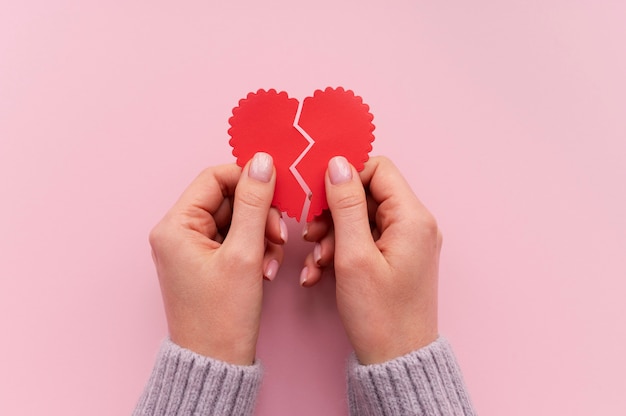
<point x="508" y="119"/>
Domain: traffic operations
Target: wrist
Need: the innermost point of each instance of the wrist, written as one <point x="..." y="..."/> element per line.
<point x="230" y="350"/>
<point x="392" y="347"/>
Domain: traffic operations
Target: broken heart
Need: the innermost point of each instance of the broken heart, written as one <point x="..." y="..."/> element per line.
<point x="302" y="137"/>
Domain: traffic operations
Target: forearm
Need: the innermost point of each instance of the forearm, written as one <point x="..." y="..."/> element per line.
<point x="425" y="382"/>
<point x="183" y="382"/>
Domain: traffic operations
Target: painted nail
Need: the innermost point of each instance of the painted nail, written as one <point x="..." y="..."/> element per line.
<point x="271" y="269"/>
<point x="303" y="276"/>
<point x="339" y="170"/>
<point x="284" y="235"/>
<point x="261" y="167"/>
<point x="317" y="253"/>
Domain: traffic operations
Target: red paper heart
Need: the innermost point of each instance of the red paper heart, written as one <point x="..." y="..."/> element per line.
<point x="304" y="138"/>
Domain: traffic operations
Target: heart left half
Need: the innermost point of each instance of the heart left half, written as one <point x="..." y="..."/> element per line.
<point x="263" y="122"/>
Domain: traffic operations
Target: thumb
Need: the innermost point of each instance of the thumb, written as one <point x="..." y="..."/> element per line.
<point x="253" y="198"/>
<point x="348" y="207"/>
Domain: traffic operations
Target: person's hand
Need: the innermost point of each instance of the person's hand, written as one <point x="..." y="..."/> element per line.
<point x="384" y="246"/>
<point x="212" y="251"/>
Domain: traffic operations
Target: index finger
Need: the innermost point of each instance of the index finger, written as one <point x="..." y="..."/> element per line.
<point x="396" y="200"/>
<point x="210" y="188"/>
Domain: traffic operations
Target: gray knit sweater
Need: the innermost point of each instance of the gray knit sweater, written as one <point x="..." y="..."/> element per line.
<point x="425" y="382"/>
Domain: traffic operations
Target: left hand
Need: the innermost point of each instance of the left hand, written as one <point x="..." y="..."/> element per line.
<point x="212" y="251"/>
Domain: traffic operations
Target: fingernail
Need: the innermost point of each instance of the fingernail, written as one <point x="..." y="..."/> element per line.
<point x="339" y="170"/>
<point x="303" y="276"/>
<point x="283" y="230"/>
<point x="305" y="230"/>
<point x="261" y="167"/>
<point x="317" y="253"/>
<point x="271" y="270"/>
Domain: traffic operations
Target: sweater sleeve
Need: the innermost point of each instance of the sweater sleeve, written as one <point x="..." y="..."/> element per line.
<point x="424" y="382"/>
<point x="186" y="383"/>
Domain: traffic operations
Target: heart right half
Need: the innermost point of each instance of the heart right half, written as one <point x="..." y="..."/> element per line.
<point x="302" y="138"/>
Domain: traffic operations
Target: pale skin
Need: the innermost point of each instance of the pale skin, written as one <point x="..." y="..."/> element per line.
<point x="213" y="249"/>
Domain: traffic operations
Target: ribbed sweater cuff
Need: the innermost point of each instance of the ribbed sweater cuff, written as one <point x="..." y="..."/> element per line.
<point x="426" y="382"/>
<point x="186" y="383"/>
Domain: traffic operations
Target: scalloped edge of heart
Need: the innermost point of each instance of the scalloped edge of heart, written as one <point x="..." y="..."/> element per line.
<point x="307" y="195"/>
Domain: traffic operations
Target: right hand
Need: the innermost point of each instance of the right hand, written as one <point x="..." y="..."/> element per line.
<point x="384" y="246"/>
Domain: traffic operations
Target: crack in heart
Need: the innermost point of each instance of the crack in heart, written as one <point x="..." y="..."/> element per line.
<point x="302" y="137"/>
<point x="305" y="187"/>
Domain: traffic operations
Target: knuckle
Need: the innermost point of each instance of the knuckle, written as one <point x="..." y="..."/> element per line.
<point x="207" y="174"/>
<point x="423" y="227"/>
<point x="251" y="199"/>
<point x="385" y="164"/>
<point x="349" y="201"/>
<point x="209" y="171"/>
<point x="428" y="228"/>
<point x="159" y="239"/>
<point x="156" y="236"/>
<point x="429" y="224"/>
<point x="384" y="160"/>
<point x="164" y="234"/>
